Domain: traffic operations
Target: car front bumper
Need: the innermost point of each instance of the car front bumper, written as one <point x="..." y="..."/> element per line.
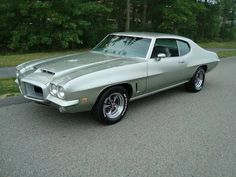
<point x="39" y="92"/>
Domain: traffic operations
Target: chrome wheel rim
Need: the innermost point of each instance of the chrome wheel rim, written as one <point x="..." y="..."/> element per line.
<point x="113" y="105"/>
<point x="199" y="80"/>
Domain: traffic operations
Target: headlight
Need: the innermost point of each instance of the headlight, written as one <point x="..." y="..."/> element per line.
<point x="53" y="89"/>
<point x="61" y="92"/>
<point x="57" y="91"/>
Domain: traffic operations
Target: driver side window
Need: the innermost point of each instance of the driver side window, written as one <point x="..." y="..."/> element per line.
<point x="166" y="46"/>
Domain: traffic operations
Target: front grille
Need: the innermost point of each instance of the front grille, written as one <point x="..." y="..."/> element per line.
<point x="33" y="91"/>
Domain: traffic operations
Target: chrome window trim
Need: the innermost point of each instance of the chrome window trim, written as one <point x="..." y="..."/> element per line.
<point x="164" y="38"/>
<point x="190" y="48"/>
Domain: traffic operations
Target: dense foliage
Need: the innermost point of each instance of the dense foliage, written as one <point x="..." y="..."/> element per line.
<point x="56" y="24"/>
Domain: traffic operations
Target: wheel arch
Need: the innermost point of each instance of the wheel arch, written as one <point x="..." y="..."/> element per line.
<point x="205" y="67"/>
<point x="127" y="86"/>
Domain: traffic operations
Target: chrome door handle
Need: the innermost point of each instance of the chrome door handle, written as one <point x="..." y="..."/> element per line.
<point x="181" y="62"/>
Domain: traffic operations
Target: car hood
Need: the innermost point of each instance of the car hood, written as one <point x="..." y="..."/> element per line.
<point x="72" y="66"/>
<point x="74" y="61"/>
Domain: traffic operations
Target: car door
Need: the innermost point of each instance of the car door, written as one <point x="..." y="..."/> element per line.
<point x="167" y="71"/>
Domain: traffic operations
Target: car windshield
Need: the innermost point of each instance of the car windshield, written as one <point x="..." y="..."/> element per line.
<point x="126" y="46"/>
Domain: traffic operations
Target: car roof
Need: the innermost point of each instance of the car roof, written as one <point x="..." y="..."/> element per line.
<point x="149" y="35"/>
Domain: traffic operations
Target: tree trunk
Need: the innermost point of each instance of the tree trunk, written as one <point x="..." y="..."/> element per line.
<point x="133" y="13"/>
<point x="233" y="16"/>
<point x="144" y="13"/>
<point x="127" y="27"/>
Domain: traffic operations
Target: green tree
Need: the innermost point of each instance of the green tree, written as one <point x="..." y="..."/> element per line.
<point x="208" y="20"/>
<point x="29" y="25"/>
<point x="228" y="16"/>
<point x="58" y="24"/>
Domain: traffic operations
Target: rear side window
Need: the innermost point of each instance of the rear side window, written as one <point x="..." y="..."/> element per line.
<point x="166" y="46"/>
<point x="183" y="48"/>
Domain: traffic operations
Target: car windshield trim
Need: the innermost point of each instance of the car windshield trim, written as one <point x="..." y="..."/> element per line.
<point x="124" y="46"/>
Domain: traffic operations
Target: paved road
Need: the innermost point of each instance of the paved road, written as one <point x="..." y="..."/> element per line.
<point x="174" y="133"/>
<point x="13" y="100"/>
<point x="6" y="72"/>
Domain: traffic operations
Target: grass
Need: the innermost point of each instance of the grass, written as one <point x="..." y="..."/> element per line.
<point x="8" y="87"/>
<point x="225" y="54"/>
<point x="226" y="45"/>
<point x="15" y="59"/>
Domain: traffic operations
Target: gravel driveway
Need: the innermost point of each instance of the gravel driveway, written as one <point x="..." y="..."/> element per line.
<point x="174" y="133"/>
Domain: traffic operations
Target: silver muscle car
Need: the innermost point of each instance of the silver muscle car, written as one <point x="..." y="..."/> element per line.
<point x="122" y="67"/>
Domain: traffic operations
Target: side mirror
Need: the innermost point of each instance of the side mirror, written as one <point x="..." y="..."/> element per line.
<point x="161" y="56"/>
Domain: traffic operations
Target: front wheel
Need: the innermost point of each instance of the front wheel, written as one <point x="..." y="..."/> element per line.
<point x="111" y="105"/>
<point x="197" y="81"/>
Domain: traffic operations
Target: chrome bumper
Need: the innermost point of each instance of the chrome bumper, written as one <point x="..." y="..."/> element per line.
<point x="62" y="103"/>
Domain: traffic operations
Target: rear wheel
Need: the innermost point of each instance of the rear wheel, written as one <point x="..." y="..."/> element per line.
<point x="111" y="105"/>
<point x="197" y="81"/>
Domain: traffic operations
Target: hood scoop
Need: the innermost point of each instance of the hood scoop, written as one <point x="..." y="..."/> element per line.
<point x="47" y="71"/>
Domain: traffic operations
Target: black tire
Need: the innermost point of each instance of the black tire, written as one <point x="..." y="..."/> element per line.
<point x="197" y="81"/>
<point x="111" y="105"/>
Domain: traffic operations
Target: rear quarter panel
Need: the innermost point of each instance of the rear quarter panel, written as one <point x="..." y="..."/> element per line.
<point x="199" y="57"/>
